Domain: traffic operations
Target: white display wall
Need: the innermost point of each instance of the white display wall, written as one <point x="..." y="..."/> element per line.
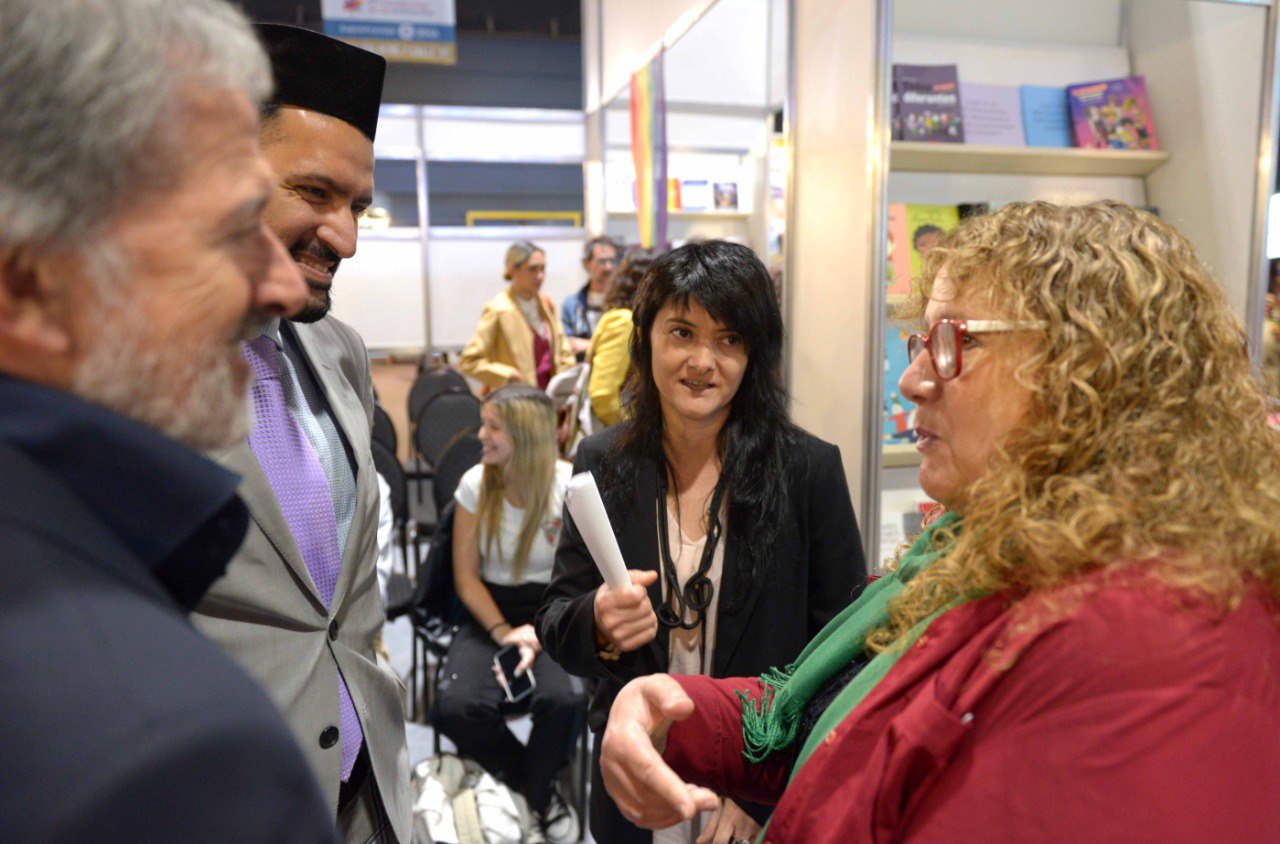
<point x="411" y="289"/>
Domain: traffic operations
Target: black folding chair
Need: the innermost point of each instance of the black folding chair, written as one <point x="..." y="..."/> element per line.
<point x="400" y="585"/>
<point x="460" y="454"/>
<point x="441" y="421"/>
<point x="428" y="386"/>
<point x="432" y="383"/>
<point x="384" y="430"/>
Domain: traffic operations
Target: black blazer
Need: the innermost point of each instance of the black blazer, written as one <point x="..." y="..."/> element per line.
<point x="118" y="721"/>
<point x="816" y="569"/>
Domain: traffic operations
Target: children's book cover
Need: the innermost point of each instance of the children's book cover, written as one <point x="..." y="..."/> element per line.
<point x="897" y="410"/>
<point x="1112" y="114"/>
<point x="929" y="102"/>
<point x="898" y="270"/>
<point x="1045" y="116"/>
<point x="926" y="225"/>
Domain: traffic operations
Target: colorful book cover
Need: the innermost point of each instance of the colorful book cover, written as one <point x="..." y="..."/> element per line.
<point x="897" y="410"/>
<point x="929" y="102"/>
<point x="898" y="270"/>
<point x="673" y="195"/>
<point x="992" y="115"/>
<point x="926" y="225"/>
<point x="1112" y="114"/>
<point x="726" y="196"/>
<point x="1045" y="116"/>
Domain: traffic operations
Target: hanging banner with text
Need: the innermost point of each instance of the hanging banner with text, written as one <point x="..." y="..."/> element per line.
<point x="399" y="30"/>
<point x="649" y="151"/>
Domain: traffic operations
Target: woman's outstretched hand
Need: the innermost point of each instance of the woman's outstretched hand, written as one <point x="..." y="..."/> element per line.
<point x="647" y="791"/>
<point x="625" y="617"/>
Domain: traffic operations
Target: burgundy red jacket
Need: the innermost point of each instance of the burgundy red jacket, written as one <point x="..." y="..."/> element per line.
<point x="1116" y="711"/>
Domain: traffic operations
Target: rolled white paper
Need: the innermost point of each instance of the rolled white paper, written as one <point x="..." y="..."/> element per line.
<point x="587" y="508"/>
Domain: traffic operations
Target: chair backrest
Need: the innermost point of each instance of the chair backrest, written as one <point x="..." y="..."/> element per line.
<point x="441" y="421"/>
<point x="435" y="603"/>
<point x="432" y="383"/>
<point x="388" y="465"/>
<point x="384" y="430"/>
<point x="461" y="455"/>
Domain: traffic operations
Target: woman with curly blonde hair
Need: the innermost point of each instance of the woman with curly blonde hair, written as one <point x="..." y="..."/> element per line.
<point x="1085" y="645"/>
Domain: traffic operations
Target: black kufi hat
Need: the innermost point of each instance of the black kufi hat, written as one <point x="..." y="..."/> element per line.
<point x="320" y="73"/>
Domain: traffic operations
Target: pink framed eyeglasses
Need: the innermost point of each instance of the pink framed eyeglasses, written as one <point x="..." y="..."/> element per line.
<point x="945" y="341"/>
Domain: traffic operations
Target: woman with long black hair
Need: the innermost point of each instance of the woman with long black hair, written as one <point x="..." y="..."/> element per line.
<point x="736" y="525"/>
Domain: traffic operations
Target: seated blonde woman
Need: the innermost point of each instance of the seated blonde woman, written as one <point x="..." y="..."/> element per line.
<point x="1085" y="646"/>
<point x="506" y="525"/>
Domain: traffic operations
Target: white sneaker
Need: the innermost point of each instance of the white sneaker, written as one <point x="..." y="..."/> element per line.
<point x="560" y="820"/>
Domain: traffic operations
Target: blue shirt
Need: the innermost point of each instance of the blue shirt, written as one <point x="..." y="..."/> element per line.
<point x="176" y="510"/>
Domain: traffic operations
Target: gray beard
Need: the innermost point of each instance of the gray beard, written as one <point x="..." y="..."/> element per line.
<point x="200" y="399"/>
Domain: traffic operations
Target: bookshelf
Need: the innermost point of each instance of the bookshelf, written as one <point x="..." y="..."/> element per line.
<point x="692" y="215"/>
<point x="922" y="157"/>
<point x="1209" y="70"/>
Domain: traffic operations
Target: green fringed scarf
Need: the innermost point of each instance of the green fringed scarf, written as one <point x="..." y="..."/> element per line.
<point x="770" y="723"/>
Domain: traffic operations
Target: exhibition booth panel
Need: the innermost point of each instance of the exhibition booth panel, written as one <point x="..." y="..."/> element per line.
<point x="455" y="186"/>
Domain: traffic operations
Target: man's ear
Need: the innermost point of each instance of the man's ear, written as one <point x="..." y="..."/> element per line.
<point x="34" y="301"/>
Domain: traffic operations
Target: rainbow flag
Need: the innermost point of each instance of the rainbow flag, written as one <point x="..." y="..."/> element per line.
<point x="649" y="149"/>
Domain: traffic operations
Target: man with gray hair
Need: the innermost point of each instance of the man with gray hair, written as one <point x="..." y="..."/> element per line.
<point x="134" y="259"/>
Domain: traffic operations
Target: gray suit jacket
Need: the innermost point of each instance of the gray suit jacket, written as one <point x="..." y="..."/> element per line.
<point x="267" y="613"/>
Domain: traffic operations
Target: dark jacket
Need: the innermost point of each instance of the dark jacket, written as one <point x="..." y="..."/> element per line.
<point x="118" y="721"/>
<point x="815" y="570"/>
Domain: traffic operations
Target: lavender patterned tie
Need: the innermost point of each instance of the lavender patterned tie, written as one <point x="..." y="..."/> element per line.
<point x="298" y="480"/>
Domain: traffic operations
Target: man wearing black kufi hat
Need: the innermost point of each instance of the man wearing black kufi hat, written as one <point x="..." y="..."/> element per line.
<point x="299" y="607"/>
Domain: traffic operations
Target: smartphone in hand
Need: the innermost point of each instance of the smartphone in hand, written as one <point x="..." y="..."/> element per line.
<point x="515" y="688"/>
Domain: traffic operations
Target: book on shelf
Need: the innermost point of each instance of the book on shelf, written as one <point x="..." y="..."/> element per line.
<point x="895" y="116"/>
<point x="726" y="196"/>
<point x="898" y="412"/>
<point x="673" y="195"/>
<point x="695" y="194"/>
<point x="929" y="106"/>
<point x="1046" y="118"/>
<point x="926" y="225"/>
<point x="1112" y="114"/>
<point x="912" y="231"/>
<point x="992" y="115"/>
<point x="898" y="267"/>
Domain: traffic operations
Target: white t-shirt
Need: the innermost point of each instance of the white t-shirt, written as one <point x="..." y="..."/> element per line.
<point x="543" y="551"/>
<point x="532" y="314"/>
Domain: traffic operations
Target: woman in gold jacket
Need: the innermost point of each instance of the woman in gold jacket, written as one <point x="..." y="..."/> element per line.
<point x="519" y="339"/>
